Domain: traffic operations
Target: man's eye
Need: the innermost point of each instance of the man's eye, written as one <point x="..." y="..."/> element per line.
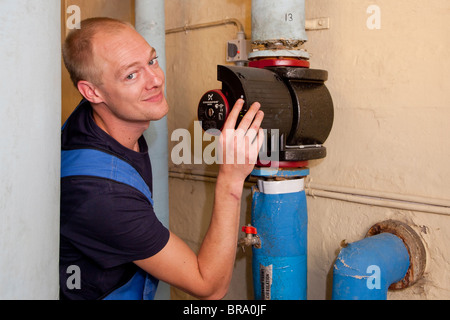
<point x="153" y="61"/>
<point x="131" y="76"/>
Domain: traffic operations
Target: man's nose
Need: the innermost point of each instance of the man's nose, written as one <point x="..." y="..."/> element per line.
<point x="153" y="77"/>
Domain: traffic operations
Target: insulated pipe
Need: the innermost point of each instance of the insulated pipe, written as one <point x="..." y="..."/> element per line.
<point x="278" y="29"/>
<point x="30" y="91"/>
<point x="150" y="23"/>
<point x="365" y="269"/>
<point x="391" y="256"/>
<point x="279" y="214"/>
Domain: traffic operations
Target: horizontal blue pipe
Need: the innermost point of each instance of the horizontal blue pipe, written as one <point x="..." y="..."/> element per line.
<point x="365" y="269"/>
<point x="279" y="266"/>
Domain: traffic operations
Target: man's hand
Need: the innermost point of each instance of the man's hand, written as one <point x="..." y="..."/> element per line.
<point x="208" y="274"/>
<point x="239" y="148"/>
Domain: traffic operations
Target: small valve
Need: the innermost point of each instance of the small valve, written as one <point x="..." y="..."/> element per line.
<point x="251" y="238"/>
<point x="249" y="229"/>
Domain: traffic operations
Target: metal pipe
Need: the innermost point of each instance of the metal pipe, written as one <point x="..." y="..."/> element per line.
<point x="380" y="194"/>
<point x="278" y="29"/>
<point x="386" y="203"/>
<point x="375" y="198"/>
<point x="186" y="28"/>
<point x="150" y="23"/>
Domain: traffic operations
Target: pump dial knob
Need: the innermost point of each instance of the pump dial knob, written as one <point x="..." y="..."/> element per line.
<point x="213" y="110"/>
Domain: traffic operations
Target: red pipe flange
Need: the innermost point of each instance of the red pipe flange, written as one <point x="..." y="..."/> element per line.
<point x="284" y="62"/>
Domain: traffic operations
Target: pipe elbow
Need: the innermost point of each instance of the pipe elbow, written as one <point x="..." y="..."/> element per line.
<point x="392" y="256"/>
<point x="365" y="269"/>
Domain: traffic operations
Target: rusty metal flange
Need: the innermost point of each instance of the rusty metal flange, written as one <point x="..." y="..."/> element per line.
<point x="414" y="245"/>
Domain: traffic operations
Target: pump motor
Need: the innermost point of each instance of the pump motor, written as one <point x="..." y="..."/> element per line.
<point x="297" y="106"/>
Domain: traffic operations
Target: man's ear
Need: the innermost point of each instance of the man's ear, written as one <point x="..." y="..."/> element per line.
<point x="89" y="91"/>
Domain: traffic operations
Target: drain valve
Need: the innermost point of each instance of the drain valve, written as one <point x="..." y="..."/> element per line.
<point x="251" y="238"/>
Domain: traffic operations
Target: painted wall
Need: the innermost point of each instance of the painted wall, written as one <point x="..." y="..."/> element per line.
<point x="30" y="110"/>
<point x="390" y="135"/>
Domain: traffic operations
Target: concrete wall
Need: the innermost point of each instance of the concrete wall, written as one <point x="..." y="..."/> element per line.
<point x="30" y="106"/>
<point x="390" y="135"/>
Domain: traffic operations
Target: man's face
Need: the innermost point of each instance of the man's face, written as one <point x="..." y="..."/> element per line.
<point x="132" y="81"/>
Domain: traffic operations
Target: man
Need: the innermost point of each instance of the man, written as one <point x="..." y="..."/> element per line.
<point x="109" y="231"/>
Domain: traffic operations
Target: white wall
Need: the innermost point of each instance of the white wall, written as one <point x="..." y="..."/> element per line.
<point x="30" y="92"/>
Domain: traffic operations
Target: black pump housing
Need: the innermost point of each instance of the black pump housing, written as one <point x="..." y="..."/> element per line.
<point x="298" y="108"/>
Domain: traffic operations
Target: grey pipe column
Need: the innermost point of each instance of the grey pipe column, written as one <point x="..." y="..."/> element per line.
<point x="150" y="23"/>
<point x="278" y="29"/>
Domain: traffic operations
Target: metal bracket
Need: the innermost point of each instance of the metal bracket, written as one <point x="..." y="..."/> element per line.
<point x="317" y="24"/>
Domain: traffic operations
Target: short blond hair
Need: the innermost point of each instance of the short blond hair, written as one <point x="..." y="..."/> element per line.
<point x="77" y="50"/>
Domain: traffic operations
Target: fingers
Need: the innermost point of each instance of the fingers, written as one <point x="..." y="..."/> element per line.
<point x="246" y="120"/>
<point x="254" y="140"/>
<point x="255" y="130"/>
<point x="250" y="120"/>
<point x="230" y="123"/>
<point x="242" y="145"/>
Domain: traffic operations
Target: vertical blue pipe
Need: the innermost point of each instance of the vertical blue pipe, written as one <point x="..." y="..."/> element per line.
<point x="365" y="269"/>
<point x="280" y="265"/>
<point x="150" y="23"/>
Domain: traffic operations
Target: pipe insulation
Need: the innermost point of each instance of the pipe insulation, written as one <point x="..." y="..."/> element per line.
<point x="365" y="269"/>
<point x="279" y="214"/>
<point x="30" y="91"/>
<point x="278" y="29"/>
<point x="150" y="23"/>
<point x="391" y="256"/>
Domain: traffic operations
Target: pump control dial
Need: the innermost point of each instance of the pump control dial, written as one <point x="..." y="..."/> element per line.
<point x="213" y="110"/>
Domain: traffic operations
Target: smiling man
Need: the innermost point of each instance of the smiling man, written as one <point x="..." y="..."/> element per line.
<point x="109" y="232"/>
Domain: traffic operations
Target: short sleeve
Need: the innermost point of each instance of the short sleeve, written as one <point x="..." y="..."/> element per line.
<point x="114" y="224"/>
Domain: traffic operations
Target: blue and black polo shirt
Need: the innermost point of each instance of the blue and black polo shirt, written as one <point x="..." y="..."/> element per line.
<point x="105" y="224"/>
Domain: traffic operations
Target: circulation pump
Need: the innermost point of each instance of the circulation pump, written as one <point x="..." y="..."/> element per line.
<point x="297" y="106"/>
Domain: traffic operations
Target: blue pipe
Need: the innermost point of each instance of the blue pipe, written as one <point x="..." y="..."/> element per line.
<point x="280" y="265"/>
<point x="365" y="269"/>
